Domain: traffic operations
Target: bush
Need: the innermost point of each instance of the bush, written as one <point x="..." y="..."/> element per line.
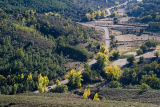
<point x="88" y="75"/>
<point x="144" y="87"/>
<point x="156" y="54"/>
<point x="148" y="45"/>
<point x="139" y="52"/>
<point x="141" y="59"/>
<point x="114" y="84"/>
<point x="151" y="80"/>
<point x="115" y="55"/>
<point x="60" y="89"/>
<point x="131" y="59"/>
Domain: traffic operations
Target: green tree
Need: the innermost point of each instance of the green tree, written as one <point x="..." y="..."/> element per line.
<point x="139" y="52"/>
<point x="141" y="59"/>
<point x="151" y="80"/>
<point x="115" y="55"/>
<point x="19" y="53"/>
<point x="156" y="54"/>
<point x="131" y="59"/>
<point x="88" y="75"/>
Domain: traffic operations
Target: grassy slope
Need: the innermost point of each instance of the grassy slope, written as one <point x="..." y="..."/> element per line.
<point x="133" y="95"/>
<point x="62" y="100"/>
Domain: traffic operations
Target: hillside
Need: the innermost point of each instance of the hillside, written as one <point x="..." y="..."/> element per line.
<point x="146" y="11"/>
<point x="31" y="44"/>
<point x="92" y="53"/>
<point x="74" y="9"/>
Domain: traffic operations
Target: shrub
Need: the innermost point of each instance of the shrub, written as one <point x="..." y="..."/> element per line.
<point x="143" y="48"/>
<point x="151" y="80"/>
<point x="60" y="89"/>
<point x="148" y="45"/>
<point x="144" y="87"/>
<point x="88" y="75"/>
<point x="114" y="84"/>
<point x="131" y="59"/>
<point x="115" y="55"/>
<point x="156" y="54"/>
<point x="139" y="52"/>
<point x="141" y="59"/>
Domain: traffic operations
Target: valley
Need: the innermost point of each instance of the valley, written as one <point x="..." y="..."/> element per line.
<point x="80" y="53"/>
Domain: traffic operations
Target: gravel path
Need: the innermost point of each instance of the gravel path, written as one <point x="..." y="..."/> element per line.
<point x="122" y="62"/>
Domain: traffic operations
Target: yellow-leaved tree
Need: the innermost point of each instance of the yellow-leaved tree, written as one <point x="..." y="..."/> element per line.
<point x="102" y="60"/>
<point x="57" y="15"/>
<point x="86" y="93"/>
<point x="88" y="16"/>
<point x="104" y="49"/>
<point x="113" y="72"/>
<point x="58" y="82"/>
<point x="22" y="76"/>
<point x="99" y="13"/>
<point x="116" y="3"/>
<point x="96" y="97"/>
<point x="115" y="13"/>
<point x="29" y="78"/>
<point x="42" y="83"/>
<point x="75" y="78"/>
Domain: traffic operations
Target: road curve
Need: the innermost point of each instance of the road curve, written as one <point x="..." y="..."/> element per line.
<point x="123" y="62"/>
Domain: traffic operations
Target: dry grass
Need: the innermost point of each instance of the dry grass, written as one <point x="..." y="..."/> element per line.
<point x="61" y="100"/>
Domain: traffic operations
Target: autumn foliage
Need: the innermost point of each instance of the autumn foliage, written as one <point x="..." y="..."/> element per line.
<point x="75" y="78"/>
<point x="42" y="83"/>
<point x="86" y="93"/>
<point x="96" y="97"/>
<point x="113" y="72"/>
<point x="104" y="49"/>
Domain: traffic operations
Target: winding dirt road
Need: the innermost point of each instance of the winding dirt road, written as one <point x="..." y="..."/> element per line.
<point x="107" y="42"/>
